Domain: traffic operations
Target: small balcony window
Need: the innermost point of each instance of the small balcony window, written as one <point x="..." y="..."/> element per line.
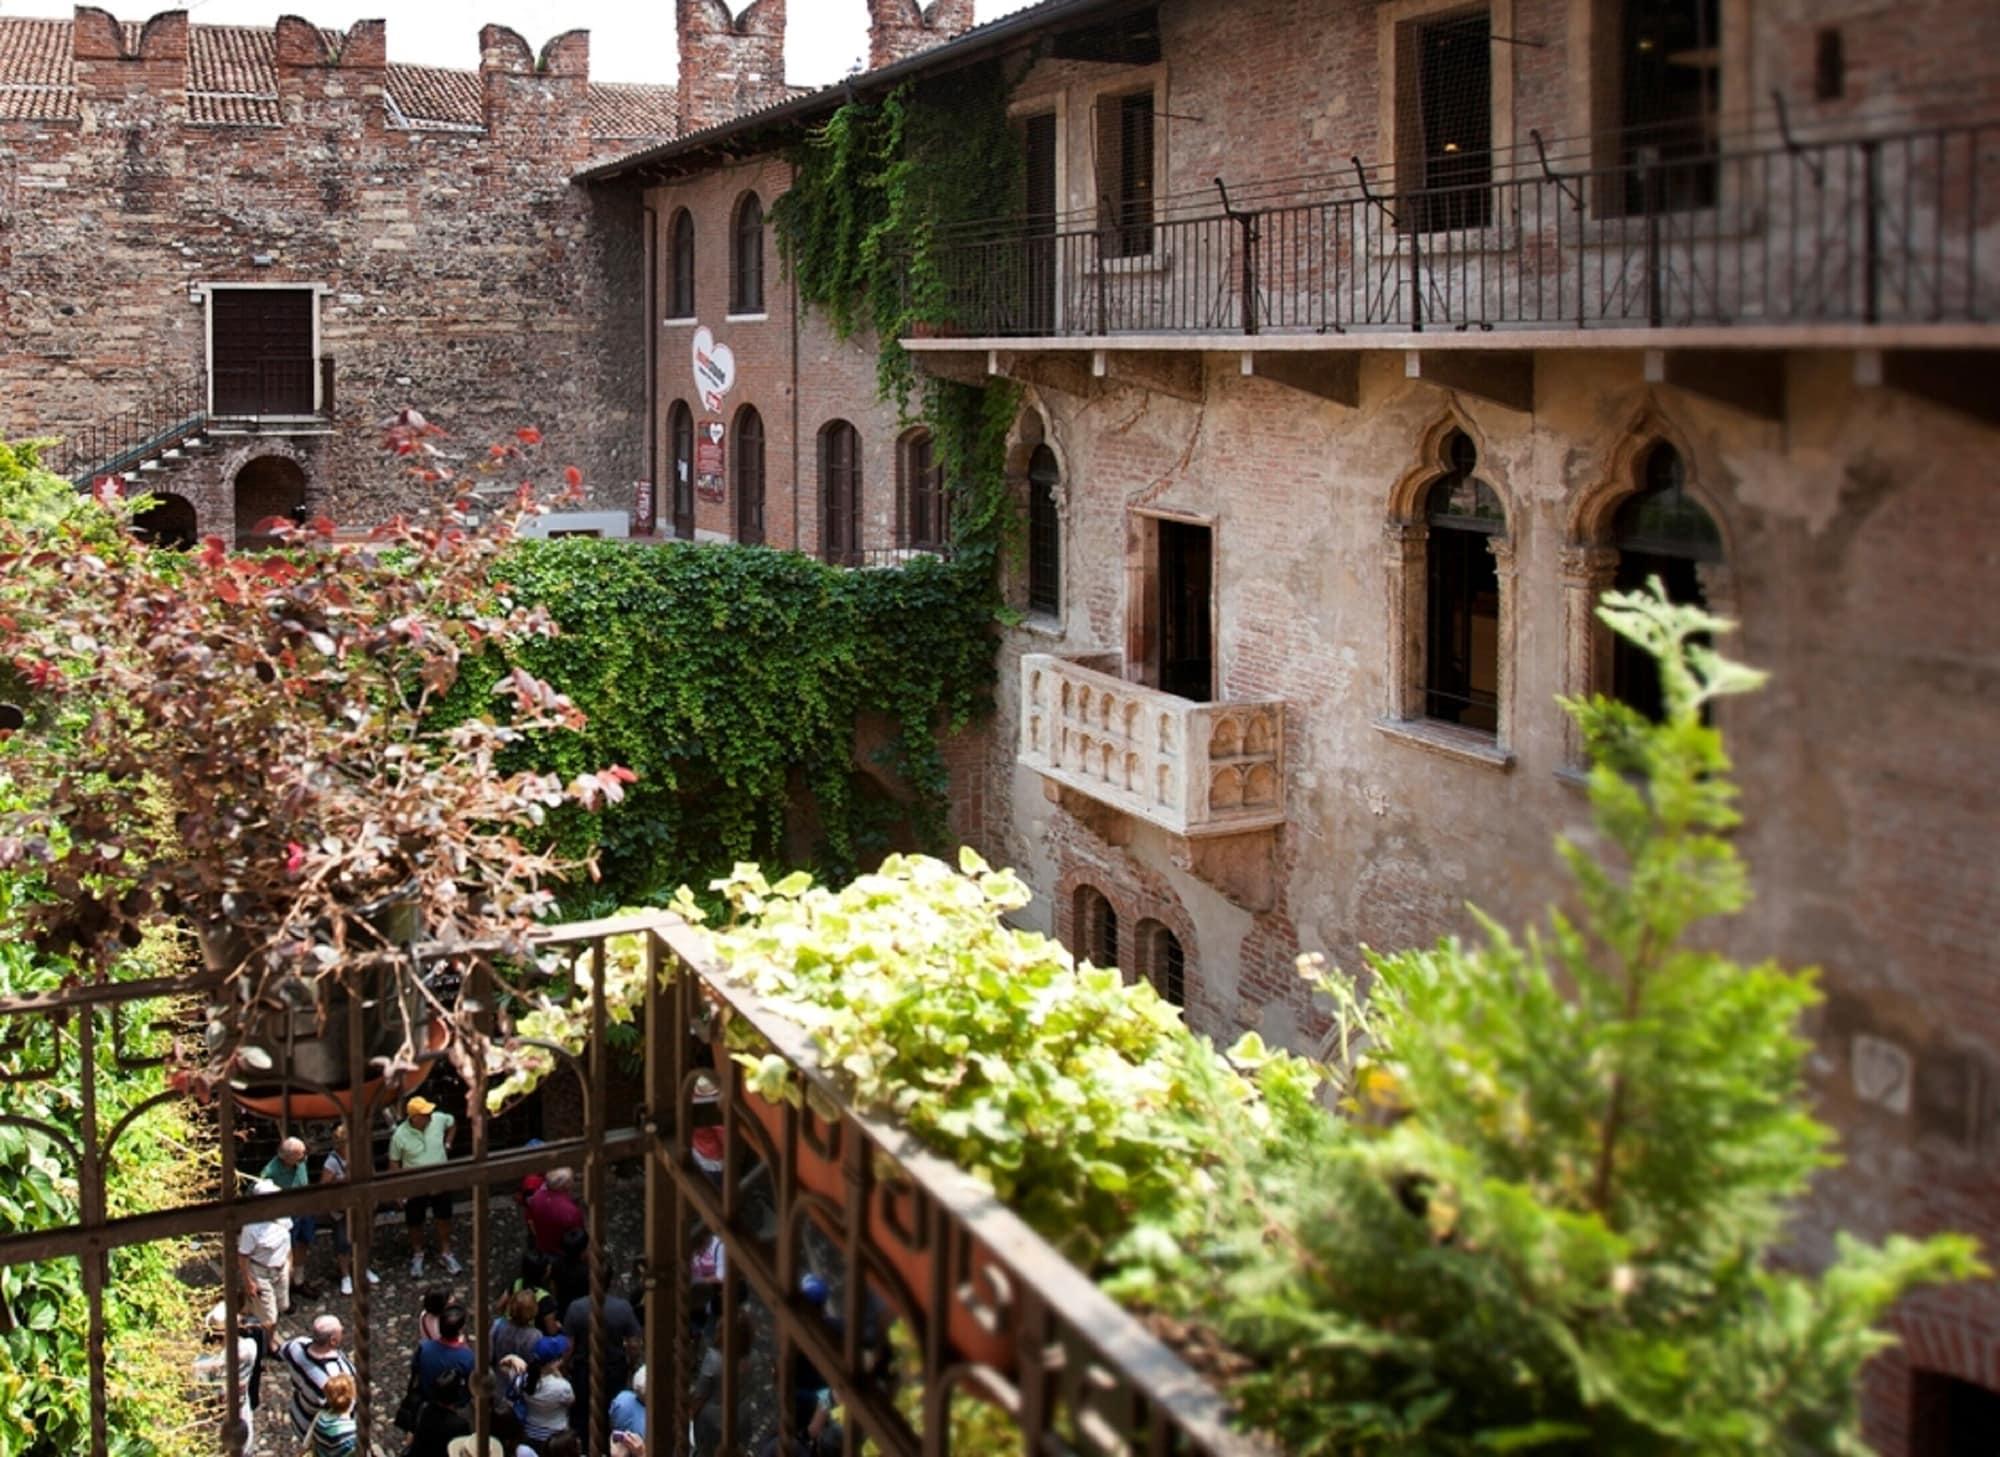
<point x="924" y="508"/>
<point x="1125" y="174"/>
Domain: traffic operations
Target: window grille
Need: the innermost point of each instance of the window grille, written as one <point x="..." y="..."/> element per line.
<point x="1462" y="636"/>
<point x="746" y="273"/>
<point x="1096" y="927"/>
<point x="681" y="285"/>
<point x="749" y="476"/>
<point x="1448" y="146"/>
<point x="1044" y="534"/>
<point x="1164" y="962"/>
<point x="1125" y="174"/>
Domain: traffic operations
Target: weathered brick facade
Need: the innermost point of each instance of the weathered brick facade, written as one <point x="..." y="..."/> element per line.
<point x="1855" y="551"/>
<point x="458" y="269"/>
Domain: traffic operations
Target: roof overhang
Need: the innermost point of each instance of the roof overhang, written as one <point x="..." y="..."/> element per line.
<point x="761" y="130"/>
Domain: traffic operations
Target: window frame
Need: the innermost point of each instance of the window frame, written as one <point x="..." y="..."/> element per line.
<point x="746" y="263"/>
<point x="1159" y="949"/>
<point x="681" y="255"/>
<point x="1396" y="25"/>
<point x="1045" y="587"/>
<point x="923" y="503"/>
<point x="208" y="291"/>
<point x="1446" y="537"/>
<point x="747" y="532"/>
<point x="1094" y="928"/>
<point x="832" y="435"/>
<point x="678" y="413"/>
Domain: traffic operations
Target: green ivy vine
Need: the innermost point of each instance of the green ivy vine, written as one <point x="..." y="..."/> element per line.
<point x="874" y="192"/>
<point x="733" y="680"/>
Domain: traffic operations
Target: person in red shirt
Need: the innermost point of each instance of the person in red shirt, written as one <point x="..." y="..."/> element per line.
<point x="553" y="1211"/>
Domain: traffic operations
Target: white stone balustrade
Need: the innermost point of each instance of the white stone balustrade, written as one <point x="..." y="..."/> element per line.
<point x="1194" y="769"/>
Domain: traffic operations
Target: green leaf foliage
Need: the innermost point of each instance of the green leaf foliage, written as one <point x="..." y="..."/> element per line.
<point x="732" y="681"/>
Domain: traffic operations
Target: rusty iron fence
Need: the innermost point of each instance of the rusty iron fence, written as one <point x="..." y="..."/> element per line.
<point x="1761" y="228"/>
<point x="935" y="1288"/>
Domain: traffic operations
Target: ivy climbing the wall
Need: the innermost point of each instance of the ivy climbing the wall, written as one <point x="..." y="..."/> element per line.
<point x="874" y="192"/>
<point x="733" y="681"/>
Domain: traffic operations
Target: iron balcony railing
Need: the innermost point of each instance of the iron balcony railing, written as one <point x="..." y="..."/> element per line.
<point x="1764" y="228"/>
<point x="787" y="1191"/>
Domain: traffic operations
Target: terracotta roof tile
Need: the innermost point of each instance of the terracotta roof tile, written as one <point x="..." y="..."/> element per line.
<point x="233" y="81"/>
<point x="34" y="52"/>
<point x="431" y="98"/>
<point x="633" y="113"/>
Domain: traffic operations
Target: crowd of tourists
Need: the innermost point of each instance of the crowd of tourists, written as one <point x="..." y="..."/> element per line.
<point x="536" y="1351"/>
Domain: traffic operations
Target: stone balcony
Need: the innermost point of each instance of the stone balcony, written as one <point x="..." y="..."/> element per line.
<point x="1196" y="770"/>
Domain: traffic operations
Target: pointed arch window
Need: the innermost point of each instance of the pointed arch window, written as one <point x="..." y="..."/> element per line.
<point x="1463" y="517"/>
<point x="1044" y="534"/>
<point x="746" y="258"/>
<point x="1660" y="531"/>
<point x="680" y="266"/>
<point x="749" y="476"/>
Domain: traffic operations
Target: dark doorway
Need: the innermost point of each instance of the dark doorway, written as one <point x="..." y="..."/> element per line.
<point x="269" y="486"/>
<point x="169" y="522"/>
<point x="749" y="477"/>
<point x="1038" y="303"/>
<point x="680" y="425"/>
<point x="261" y="346"/>
<point x="1952" y="1418"/>
<point x="1187" y="658"/>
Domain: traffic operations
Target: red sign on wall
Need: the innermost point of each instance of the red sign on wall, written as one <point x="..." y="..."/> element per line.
<point x="708" y="438"/>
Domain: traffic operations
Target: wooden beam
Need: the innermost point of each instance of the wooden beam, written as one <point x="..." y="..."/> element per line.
<point x="1750" y="380"/>
<point x="1961" y="380"/>
<point x="1335" y="377"/>
<point x="1504" y="376"/>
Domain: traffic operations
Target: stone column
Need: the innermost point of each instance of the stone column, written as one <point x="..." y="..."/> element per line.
<point x="1406" y="551"/>
<point x="1587" y="573"/>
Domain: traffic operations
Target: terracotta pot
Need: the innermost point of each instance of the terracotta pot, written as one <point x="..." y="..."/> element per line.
<point x="817" y="1172"/>
<point x="306" y="1041"/>
<point x="893" y="1209"/>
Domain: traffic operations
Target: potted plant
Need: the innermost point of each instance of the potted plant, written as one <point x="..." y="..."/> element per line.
<point x="248" y="743"/>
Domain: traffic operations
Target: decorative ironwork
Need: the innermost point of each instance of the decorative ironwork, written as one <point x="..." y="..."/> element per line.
<point x="1767" y="228"/>
<point x="904" y="1239"/>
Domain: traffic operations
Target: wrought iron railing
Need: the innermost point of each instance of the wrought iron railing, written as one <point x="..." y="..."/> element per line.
<point x="936" y="1288"/>
<point x="1764" y="228"/>
<point x="125" y="439"/>
<point x="872" y="557"/>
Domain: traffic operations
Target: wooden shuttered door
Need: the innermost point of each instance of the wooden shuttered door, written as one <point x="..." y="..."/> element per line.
<point x="262" y="342"/>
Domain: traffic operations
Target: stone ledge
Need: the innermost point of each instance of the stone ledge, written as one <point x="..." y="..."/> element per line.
<point x="1466" y="745"/>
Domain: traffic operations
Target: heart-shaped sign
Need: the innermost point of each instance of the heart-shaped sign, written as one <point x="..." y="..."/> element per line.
<point x="714" y="368"/>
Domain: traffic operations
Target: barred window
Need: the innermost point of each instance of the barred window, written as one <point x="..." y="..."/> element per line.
<point x="1162" y="962"/>
<point x="1044" y="534"/>
<point x="1096" y="928"/>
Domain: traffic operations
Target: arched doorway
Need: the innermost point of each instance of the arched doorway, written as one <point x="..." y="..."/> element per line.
<point x="168" y="522"/>
<point x="268" y="486"/>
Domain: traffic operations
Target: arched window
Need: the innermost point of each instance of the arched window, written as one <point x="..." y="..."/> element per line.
<point x="1462" y="621"/>
<point x="840" y="492"/>
<point x="923" y="511"/>
<point x="749" y="476"/>
<point x="680" y="264"/>
<point x="1096" y="929"/>
<point x="1660" y="531"/>
<point x="1162" y="962"/>
<point x="680" y="432"/>
<point x="746" y="259"/>
<point x="1044" y="534"/>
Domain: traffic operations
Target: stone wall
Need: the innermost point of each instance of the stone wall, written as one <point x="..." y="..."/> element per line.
<point x="460" y="270"/>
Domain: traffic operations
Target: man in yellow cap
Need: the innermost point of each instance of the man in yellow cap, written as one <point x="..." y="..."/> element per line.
<point x="421" y="1140"/>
